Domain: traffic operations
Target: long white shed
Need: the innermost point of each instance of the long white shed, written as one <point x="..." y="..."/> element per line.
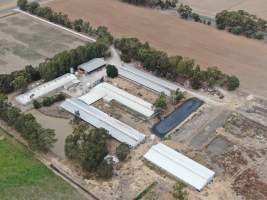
<point x="180" y="166"/>
<point x="146" y="79"/>
<point x="109" y="92"/>
<point x="46" y="88"/>
<point x="99" y="119"/>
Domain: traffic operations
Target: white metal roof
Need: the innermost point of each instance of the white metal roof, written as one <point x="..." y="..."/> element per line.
<point x="147" y="80"/>
<point x="99" y="119"/>
<point x="46" y="88"/>
<point x="92" y="65"/>
<point x="180" y="166"/>
<point x="109" y="92"/>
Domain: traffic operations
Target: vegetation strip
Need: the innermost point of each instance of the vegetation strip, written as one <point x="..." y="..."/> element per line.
<point x="146" y="190"/>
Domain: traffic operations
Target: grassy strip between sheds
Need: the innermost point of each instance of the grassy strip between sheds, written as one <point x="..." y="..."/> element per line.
<point x="24" y="177"/>
<point x="145" y="191"/>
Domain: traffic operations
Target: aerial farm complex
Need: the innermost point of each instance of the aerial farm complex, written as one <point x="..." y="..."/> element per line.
<point x="88" y="115"/>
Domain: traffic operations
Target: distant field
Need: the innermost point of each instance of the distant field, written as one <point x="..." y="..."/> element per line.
<point x="24" y="178"/>
<point x="236" y="55"/>
<point x="211" y="7"/>
<point x="24" y="40"/>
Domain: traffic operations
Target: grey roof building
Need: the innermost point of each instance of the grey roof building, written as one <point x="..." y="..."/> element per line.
<point x="92" y="65"/>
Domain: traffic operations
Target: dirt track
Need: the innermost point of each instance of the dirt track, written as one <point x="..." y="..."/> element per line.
<point x="237" y="55"/>
<point x="211" y="7"/>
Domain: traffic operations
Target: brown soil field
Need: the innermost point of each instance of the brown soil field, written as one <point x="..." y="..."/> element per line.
<point x="211" y="7"/>
<point x="236" y="55"/>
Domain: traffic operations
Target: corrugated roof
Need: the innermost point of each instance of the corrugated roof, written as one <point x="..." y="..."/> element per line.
<point x="99" y="119"/>
<point x="147" y="80"/>
<point x="180" y="166"/>
<point x="46" y="88"/>
<point x="92" y="65"/>
<point x="109" y="92"/>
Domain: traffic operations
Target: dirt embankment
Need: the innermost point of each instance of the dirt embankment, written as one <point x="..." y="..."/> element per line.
<point x="237" y="55"/>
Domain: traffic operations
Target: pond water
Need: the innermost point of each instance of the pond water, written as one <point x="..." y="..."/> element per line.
<point x="176" y="117"/>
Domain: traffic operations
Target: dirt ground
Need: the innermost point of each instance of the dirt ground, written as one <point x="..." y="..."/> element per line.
<point x="237" y="55"/>
<point x="233" y="144"/>
<point x="137" y="90"/>
<point x="211" y="7"/>
<point x="62" y="129"/>
<point x="25" y="40"/>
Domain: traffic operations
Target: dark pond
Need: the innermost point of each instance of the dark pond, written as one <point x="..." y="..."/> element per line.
<point x="176" y="117"/>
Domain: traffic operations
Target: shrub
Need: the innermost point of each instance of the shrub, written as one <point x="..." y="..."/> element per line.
<point x="122" y="151"/>
<point x="112" y="71"/>
<point x="232" y="83"/>
<point x="160" y="103"/>
<point x="37" y="104"/>
<point x="196" y="17"/>
<point x="178" y="191"/>
<point x="105" y="170"/>
<point x="22" y="4"/>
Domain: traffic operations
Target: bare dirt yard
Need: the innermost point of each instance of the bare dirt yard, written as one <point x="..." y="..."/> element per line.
<point x="211" y="7"/>
<point x="25" y="40"/>
<point x="237" y="55"/>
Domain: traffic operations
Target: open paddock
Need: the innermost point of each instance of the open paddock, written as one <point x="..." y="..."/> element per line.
<point x="25" y="40"/>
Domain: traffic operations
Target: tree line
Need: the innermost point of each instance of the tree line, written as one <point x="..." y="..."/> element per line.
<point x="237" y="22"/>
<point x="38" y="138"/>
<point x="241" y="23"/>
<point x="173" y="67"/>
<point x="163" y="4"/>
<point x="52" y="68"/>
<point x="186" y="12"/>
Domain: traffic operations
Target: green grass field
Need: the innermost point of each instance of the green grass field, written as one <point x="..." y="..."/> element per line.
<point x="22" y="177"/>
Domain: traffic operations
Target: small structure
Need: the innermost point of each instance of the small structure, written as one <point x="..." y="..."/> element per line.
<point x="118" y="130"/>
<point x="46" y="88"/>
<point x="146" y="79"/>
<point x="109" y="92"/>
<point x="92" y="65"/>
<point x="180" y="166"/>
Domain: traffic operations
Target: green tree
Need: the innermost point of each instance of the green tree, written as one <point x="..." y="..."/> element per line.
<point x="232" y="83"/>
<point x="88" y="146"/>
<point x="33" y="6"/>
<point x="178" y="191"/>
<point x="20" y="82"/>
<point x="112" y="71"/>
<point x="122" y="151"/>
<point x="185" y="11"/>
<point x="36" y="104"/>
<point x="178" y="96"/>
<point x="160" y="104"/>
<point x="22" y="4"/>
<point x="105" y="170"/>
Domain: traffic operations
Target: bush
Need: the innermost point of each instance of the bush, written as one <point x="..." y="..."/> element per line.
<point x="22" y="4"/>
<point x="241" y="22"/>
<point x="49" y="101"/>
<point x="37" y="104"/>
<point x="104" y="170"/>
<point x="259" y="35"/>
<point x="185" y="11"/>
<point x="178" y="96"/>
<point x="160" y="104"/>
<point x="122" y="151"/>
<point x="178" y="191"/>
<point x="232" y="83"/>
<point x="196" y="17"/>
<point x="112" y="71"/>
